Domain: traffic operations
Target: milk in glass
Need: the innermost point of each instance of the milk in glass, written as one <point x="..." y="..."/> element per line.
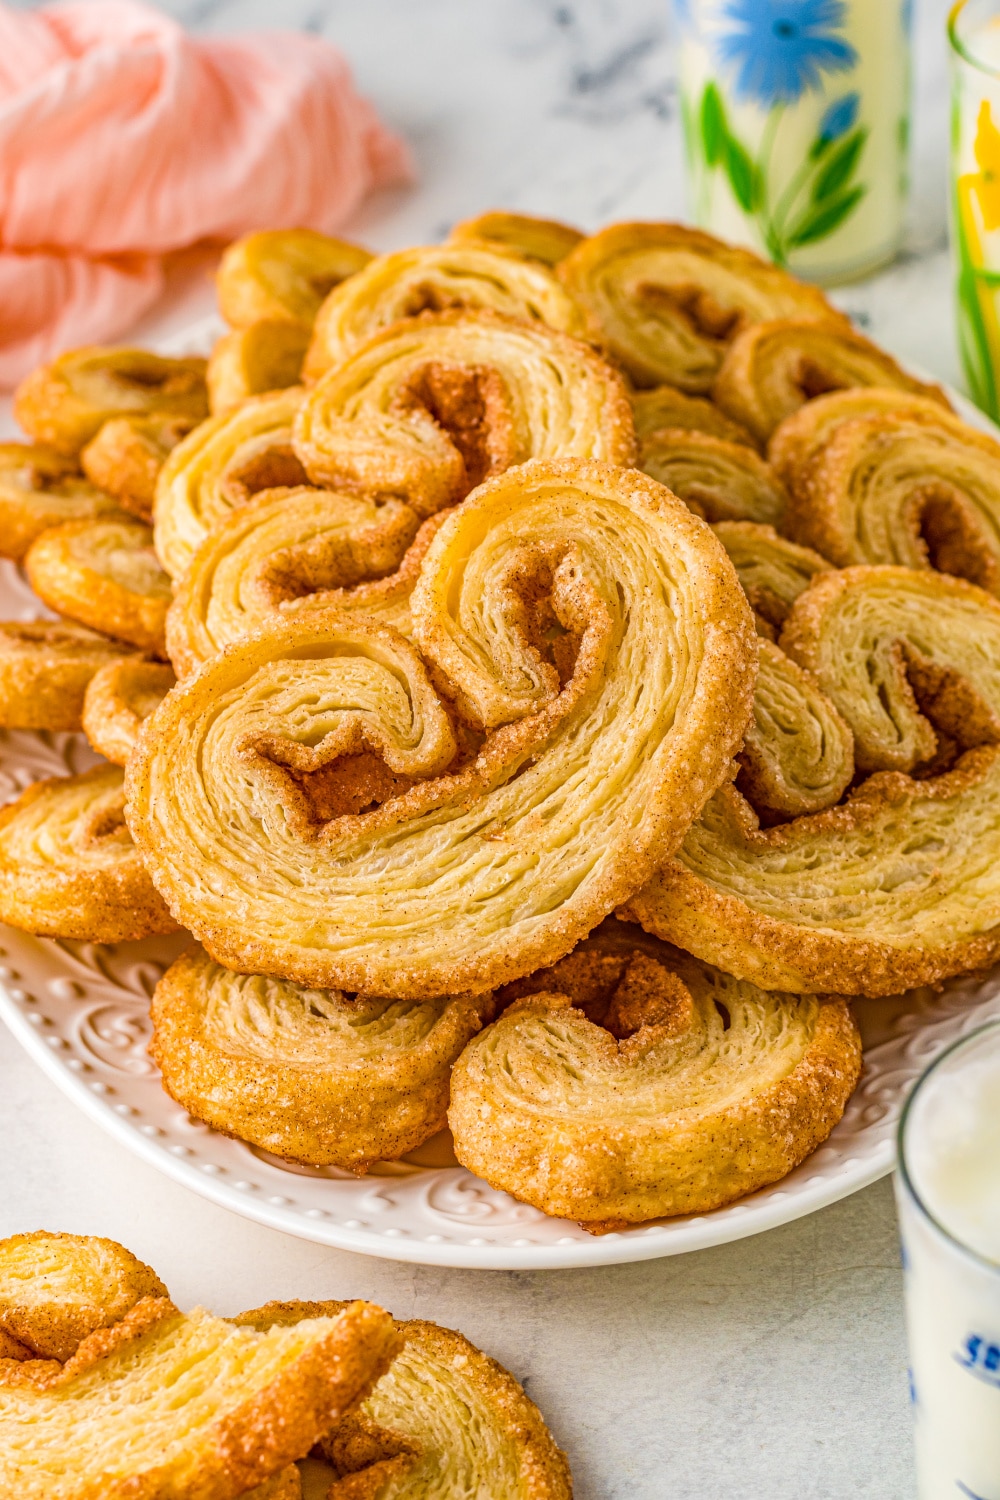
<point x="948" y="1191"/>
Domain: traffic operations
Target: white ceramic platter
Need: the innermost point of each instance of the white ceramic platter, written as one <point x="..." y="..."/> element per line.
<point x="81" y="1011"/>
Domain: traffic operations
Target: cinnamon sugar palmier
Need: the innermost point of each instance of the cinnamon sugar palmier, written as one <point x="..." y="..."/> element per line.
<point x="720" y="480"/>
<point x="589" y="630"/>
<point x="45" y="667"/>
<point x="432" y="406"/>
<point x="898" y="886"/>
<point x="118" y="698"/>
<point x="290" y="550"/>
<point x="126" y="456"/>
<point x="283" y="275"/>
<point x="795" y="442"/>
<point x="104" y="574"/>
<point x="445" y="1421"/>
<point x="902" y="488"/>
<point x="772" y="570"/>
<point x="772" y="369"/>
<point x="223" y="464"/>
<point x="68" y="867"/>
<point x="310" y="1075"/>
<point x="67" y="402"/>
<point x="267" y="356"/>
<point x="665" y="406"/>
<point x="55" y="1289"/>
<point x="40" y="488"/>
<point x="634" y="1084"/>
<point x="546" y="240"/>
<point x="430" y="279"/>
<point x="666" y="300"/>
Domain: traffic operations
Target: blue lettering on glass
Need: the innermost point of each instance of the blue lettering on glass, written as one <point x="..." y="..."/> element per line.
<point x="966" y="1491"/>
<point x="981" y="1358"/>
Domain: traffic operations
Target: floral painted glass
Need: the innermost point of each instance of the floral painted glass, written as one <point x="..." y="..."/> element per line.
<point x="974" y="32"/>
<point x="796" y="123"/>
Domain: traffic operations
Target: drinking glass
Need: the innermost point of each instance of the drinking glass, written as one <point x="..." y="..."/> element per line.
<point x="948" y="1196"/>
<point x="974" y="35"/>
<point x="796" y="127"/>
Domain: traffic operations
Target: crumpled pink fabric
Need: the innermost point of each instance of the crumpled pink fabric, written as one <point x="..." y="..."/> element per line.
<point x="122" y="138"/>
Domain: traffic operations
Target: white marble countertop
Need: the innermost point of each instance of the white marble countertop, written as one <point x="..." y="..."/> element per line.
<point x="771" y="1367"/>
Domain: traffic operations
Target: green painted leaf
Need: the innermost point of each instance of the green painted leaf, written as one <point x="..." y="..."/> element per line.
<point x="744" y="177"/>
<point x="824" y="218"/>
<point x="840" y="165"/>
<point x="819" y="147"/>
<point x="714" y="130"/>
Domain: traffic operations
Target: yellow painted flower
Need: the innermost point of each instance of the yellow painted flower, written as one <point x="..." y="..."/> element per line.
<point x="987" y="185"/>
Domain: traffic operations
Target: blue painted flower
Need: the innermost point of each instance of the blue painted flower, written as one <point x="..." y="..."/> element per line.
<point x="781" y="48"/>
<point x="682" y="14"/>
<point x="839" y="118"/>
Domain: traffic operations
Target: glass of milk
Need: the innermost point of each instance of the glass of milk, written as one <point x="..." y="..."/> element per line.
<point x="974" y="34"/>
<point x="948" y="1193"/>
<point x="796" y="127"/>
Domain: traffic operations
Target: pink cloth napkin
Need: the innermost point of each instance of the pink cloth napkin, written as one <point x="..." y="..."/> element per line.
<point x="122" y="138"/>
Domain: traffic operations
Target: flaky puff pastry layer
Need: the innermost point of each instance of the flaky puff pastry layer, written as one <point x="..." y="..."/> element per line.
<point x="665" y="406"/>
<point x="795" y="442"/>
<point x="119" y="697"/>
<point x="898" y="886"/>
<point x="772" y="570"/>
<point x="667" y="1088"/>
<point x="291" y="550"/>
<point x="221" y="465"/>
<point x="40" y="488"/>
<point x="170" y="1404"/>
<point x="444" y="1421"/>
<point x="283" y="275"/>
<point x="55" y="1289"/>
<point x="666" y="300"/>
<point x="68" y="867"/>
<point x="546" y="240"/>
<point x="311" y="1075"/>
<point x="126" y="456"/>
<point x="720" y="480"/>
<point x="774" y="368"/>
<point x="45" y="667"/>
<point x="903" y="488"/>
<point x="104" y="574"/>
<point x="267" y="356"/>
<point x="585" y="625"/>
<point x="434" y="405"/>
<point x="429" y="279"/>
<point x="67" y="402"/>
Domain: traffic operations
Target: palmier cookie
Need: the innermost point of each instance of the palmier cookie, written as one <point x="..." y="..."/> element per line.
<point x="222" y="465"/>
<point x="440" y="890"/>
<point x="720" y="480"/>
<point x="795" y="442"/>
<point x="291" y="550"/>
<point x="633" y="1086"/>
<point x="432" y="406"/>
<point x="119" y="697"/>
<point x="429" y="279"/>
<point x="126" y="456"/>
<point x="314" y="1076"/>
<point x="68" y="867"/>
<point x="267" y="356"/>
<point x="772" y="369"/>
<point x="665" y="406"/>
<point x="445" y="1420"/>
<point x="904" y="488"/>
<point x="168" y="1403"/>
<point x="67" y="402"/>
<point x="772" y="570"/>
<point x="666" y="300"/>
<point x="898" y="886"/>
<point x="45" y="667"/>
<point x="40" y="488"/>
<point x="546" y="240"/>
<point x="104" y="574"/>
<point x="283" y="275"/>
<point x="55" y="1289"/>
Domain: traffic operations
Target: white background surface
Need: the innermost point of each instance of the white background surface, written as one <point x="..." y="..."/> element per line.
<point x="770" y="1369"/>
